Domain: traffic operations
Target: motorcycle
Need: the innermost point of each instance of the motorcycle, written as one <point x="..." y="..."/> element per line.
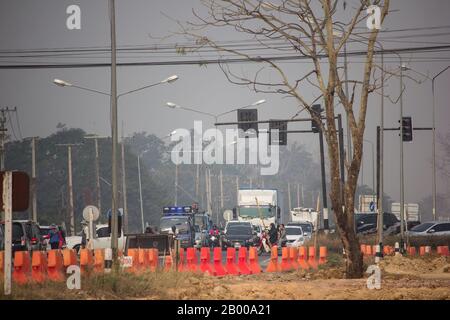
<point x="213" y="241"/>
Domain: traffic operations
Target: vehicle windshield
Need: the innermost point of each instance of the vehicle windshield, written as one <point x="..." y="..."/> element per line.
<point x="293" y="231"/>
<point x="201" y="221"/>
<point x="306" y="227"/>
<point x="239" y="229"/>
<point x="253" y="212"/>
<point x="181" y="223"/>
<point x="422" y="227"/>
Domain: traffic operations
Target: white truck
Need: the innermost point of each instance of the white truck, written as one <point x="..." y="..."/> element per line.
<point x="259" y="206"/>
<point x="304" y="215"/>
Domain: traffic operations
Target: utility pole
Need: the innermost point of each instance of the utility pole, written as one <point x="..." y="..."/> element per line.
<point x="3" y="130"/>
<point x="303" y="197"/>
<point x="97" y="169"/>
<point x="114" y="129"/>
<point x="289" y="196"/>
<point x="33" y="179"/>
<point x="140" y="192"/>
<point x="298" y="195"/>
<point x="324" y="186"/>
<point x="70" y="185"/>
<point x="124" y="189"/>
<point x="237" y="190"/>
<point x="402" y="187"/>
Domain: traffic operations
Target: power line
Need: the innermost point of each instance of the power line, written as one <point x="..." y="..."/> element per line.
<point x="216" y="61"/>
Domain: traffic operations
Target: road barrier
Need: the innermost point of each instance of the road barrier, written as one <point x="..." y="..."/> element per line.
<point x="312" y="257"/>
<point x="168" y="263"/>
<point x="99" y="260"/>
<point x="273" y="263"/>
<point x="368" y="250"/>
<point x="242" y="261"/>
<point x="191" y="260"/>
<point x="412" y="251"/>
<point x="219" y="270"/>
<point x="323" y="252"/>
<point x="21" y="272"/>
<point x="362" y="248"/>
<point x="443" y="251"/>
<point x="134" y="254"/>
<point x="205" y="261"/>
<point x="55" y="264"/>
<point x="69" y="257"/>
<point x="285" y="261"/>
<point x="230" y="266"/>
<point x="302" y="257"/>
<point x="253" y="261"/>
<point x="293" y="257"/>
<point x="422" y="250"/>
<point x="52" y="265"/>
<point x="86" y="261"/>
<point x="39" y="266"/>
<point x="153" y="255"/>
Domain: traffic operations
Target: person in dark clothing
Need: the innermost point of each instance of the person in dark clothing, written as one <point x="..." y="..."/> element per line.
<point x="273" y="234"/>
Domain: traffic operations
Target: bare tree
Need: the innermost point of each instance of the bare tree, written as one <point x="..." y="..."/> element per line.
<point x="312" y="30"/>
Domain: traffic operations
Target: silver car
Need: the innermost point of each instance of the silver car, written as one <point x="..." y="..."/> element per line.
<point x="432" y="228"/>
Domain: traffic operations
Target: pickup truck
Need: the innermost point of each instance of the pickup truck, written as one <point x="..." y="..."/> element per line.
<point x="102" y="239"/>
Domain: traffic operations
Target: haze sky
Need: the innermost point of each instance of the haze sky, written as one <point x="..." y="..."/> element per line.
<point x="31" y="24"/>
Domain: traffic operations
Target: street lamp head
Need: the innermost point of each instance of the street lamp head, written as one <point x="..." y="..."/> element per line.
<point x="172" y="133"/>
<point x="61" y="83"/>
<point x="170" y="79"/>
<point x="405" y="67"/>
<point x="257" y="103"/>
<point x="172" y="105"/>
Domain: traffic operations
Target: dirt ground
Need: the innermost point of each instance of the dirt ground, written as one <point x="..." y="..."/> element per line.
<point x="402" y="278"/>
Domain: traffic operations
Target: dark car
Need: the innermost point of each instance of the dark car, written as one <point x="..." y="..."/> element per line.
<point x="367" y="222"/>
<point x="26" y="236"/>
<point x="239" y="234"/>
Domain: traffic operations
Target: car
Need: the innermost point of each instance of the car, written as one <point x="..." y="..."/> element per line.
<point x="238" y="234"/>
<point x="26" y="236"/>
<point x="395" y="229"/>
<point x="371" y="219"/>
<point x="294" y="236"/>
<point x="432" y="228"/>
<point x="307" y="228"/>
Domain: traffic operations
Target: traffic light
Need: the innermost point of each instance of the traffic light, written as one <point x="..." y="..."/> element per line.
<point x="248" y="115"/>
<point x="407" y="129"/>
<point x="281" y="126"/>
<point x="317" y="110"/>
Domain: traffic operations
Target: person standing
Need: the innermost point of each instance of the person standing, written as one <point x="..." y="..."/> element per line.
<point x="282" y="238"/>
<point x="55" y="237"/>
